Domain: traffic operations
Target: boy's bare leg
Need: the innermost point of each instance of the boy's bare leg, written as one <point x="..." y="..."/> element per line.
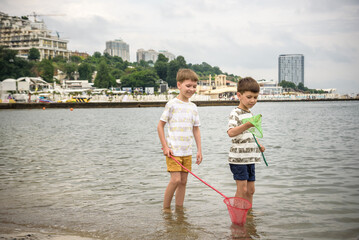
<point x="181" y="189"/>
<point x="171" y="188"/>
<point x="250" y="191"/>
<point x="241" y="189"/>
<point x="245" y="189"/>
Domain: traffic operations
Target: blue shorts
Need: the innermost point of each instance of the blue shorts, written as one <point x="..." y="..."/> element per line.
<point x="243" y="172"/>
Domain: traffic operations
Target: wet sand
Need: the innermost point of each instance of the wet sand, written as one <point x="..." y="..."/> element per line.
<point x="17" y="232"/>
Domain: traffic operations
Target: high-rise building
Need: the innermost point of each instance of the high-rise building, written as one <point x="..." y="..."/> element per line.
<point x="149" y="55"/>
<point x="152" y="55"/>
<point x="118" y="48"/>
<point x="21" y="34"/>
<point x="167" y="54"/>
<point x="291" y="68"/>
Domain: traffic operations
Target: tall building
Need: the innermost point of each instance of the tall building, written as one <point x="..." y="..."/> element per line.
<point x="291" y="68"/>
<point x="118" y="48"/>
<point x="167" y="54"/>
<point x="149" y="55"/>
<point x="152" y="55"/>
<point x="21" y="34"/>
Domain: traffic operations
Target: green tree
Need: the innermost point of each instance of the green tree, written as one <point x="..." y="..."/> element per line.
<point x="287" y="84"/>
<point x="103" y="78"/>
<point x="46" y="70"/>
<point x="117" y="73"/>
<point x="173" y="68"/>
<point x="59" y="58"/>
<point x="302" y="87"/>
<point x="161" y="66"/>
<point x="162" y="58"/>
<point x="181" y="62"/>
<point x="69" y="69"/>
<point x="85" y="70"/>
<point x="12" y="66"/>
<point x="144" y="78"/>
<point x="97" y="55"/>
<point x="75" y="59"/>
<point x="34" y="54"/>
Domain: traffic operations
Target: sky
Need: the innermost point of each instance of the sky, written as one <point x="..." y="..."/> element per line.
<point x="243" y="38"/>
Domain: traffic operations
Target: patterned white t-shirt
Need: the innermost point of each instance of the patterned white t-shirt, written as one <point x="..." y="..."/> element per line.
<point x="244" y="149"/>
<point x="181" y="118"/>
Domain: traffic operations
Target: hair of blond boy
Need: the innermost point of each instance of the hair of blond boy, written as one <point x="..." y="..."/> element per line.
<point x="186" y="74"/>
<point x="247" y="84"/>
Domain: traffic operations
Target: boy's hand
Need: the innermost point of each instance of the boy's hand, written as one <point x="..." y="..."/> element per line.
<point x="167" y="152"/>
<point x="262" y="148"/>
<point x="199" y="158"/>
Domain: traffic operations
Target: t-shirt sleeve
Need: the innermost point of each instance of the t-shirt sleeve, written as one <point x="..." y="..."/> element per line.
<point x="166" y="113"/>
<point x="233" y="120"/>
<point x="196" y="123"/>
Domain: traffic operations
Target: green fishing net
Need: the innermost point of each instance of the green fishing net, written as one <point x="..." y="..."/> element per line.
<point x="257" y="122"/>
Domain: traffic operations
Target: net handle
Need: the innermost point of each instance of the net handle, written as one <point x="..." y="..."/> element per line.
<point x="198" y="177"/>
<point x="264" y="159"/>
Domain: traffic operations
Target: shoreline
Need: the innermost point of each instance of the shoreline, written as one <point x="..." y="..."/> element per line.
<point x="12" y="231"/>
<point x="146" y="104"/>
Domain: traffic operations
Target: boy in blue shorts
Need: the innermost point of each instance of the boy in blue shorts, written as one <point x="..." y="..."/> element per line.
<point x="183" y="125"/>
<point x="244" y="152"/>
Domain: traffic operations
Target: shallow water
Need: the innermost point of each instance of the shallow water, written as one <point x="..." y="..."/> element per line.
<point x="100" y="173"/>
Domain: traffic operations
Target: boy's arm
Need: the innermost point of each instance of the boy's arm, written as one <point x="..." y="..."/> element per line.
<point x="197" y="137"/>
<point x="261" y="147"/>
<point x="161" y="134"/>
<point x="239" y="129"/>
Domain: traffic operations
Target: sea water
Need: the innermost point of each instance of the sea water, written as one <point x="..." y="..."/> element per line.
<point x="100" y="173"/>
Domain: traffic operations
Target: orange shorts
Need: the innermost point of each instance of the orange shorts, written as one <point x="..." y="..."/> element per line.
<point x="173" y="166"/>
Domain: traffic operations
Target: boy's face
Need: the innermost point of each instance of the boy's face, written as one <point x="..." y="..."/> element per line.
<point x="247" y="99"/>
<point x="187" y="88"/>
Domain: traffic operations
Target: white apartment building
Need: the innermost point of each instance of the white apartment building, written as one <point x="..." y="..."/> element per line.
<point x="118" y="48"/>
<point x="21" y="34"/>
<point x="152" y="55"/>
<point x="167" y="54"/>
<point x="149" y="55"/>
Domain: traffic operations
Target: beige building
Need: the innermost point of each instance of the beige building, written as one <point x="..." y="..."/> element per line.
<point x="152" y="55"/>
<point x="118" y="48"/>
<point x="21" y="34"/>
<point x="217" y="88"/>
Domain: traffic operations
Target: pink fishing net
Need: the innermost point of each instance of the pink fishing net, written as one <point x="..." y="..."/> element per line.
<point x="237" y="208"/>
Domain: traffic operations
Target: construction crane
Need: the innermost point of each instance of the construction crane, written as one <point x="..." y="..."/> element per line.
<point x="34" y="14"/>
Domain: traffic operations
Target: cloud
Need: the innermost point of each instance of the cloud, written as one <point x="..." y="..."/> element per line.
<point x="241" y="37"/>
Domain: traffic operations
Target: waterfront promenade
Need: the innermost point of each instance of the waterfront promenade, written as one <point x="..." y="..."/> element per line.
<point x="144" y="104"/>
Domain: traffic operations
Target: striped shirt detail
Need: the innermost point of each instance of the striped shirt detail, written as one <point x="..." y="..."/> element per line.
<point x="244" y="149"/>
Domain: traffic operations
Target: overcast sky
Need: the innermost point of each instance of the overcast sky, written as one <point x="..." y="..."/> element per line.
<point x="241" y="37"/>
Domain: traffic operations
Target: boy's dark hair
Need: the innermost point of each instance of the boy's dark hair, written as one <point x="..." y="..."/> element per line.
<point x="186" y="74"/>
<point x="247" y="84"/>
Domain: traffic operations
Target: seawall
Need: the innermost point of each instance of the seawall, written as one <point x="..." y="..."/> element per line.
<point x="141" y="104"/>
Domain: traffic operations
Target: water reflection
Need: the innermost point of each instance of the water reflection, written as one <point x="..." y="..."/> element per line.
<point x="246" y="231"/>
<point x="177" y="226"/>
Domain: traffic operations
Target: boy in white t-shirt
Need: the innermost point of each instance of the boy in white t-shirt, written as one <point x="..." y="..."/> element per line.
<point x="183" y="125"/>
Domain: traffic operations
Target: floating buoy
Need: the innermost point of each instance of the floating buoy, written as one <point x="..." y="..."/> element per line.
<point x="71" y="109"/>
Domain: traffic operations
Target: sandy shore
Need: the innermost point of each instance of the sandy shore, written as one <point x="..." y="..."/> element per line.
<point x="16" y="232"/>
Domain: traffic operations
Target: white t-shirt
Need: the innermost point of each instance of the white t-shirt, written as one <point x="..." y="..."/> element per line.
<point x="244" y="149"/>
<point x="181" y="118"/>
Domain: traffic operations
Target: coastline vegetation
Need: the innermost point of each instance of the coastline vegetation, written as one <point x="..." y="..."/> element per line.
<point x="107" y="68"/>
<point x="299" y="88"/>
